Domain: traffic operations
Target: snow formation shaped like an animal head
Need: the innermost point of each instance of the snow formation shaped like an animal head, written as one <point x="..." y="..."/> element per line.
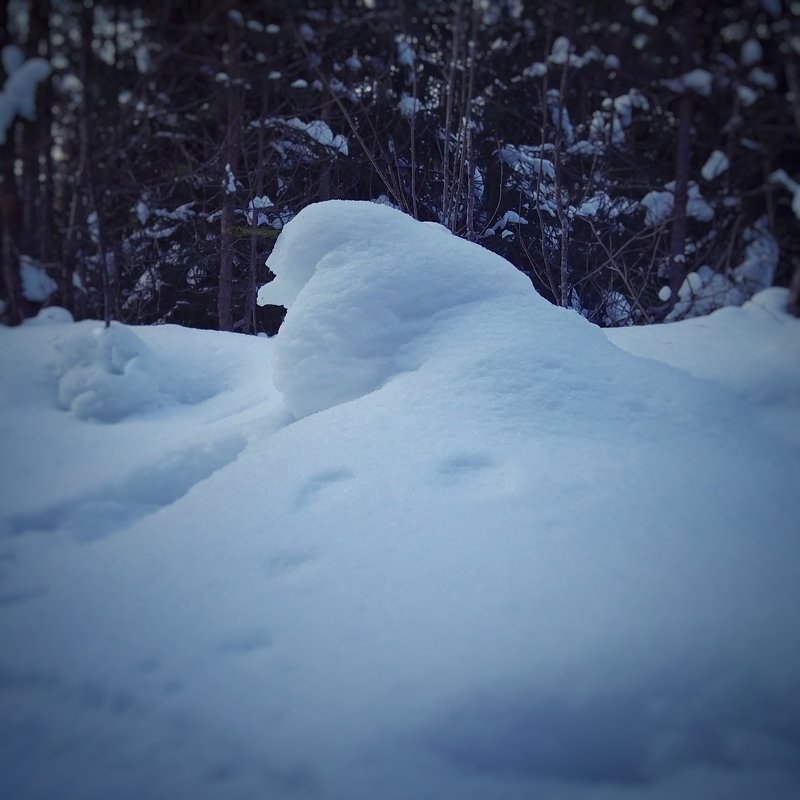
<point x="362" y="283"/>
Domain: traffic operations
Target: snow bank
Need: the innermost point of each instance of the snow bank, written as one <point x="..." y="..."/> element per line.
<point x="530" y="564"/>
<point x="108" y="374"/>
<point x="752" y="350"/>
<point x="356" y="304"/>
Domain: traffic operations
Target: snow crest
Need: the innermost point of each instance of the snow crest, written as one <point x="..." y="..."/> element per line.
<point x="364" y="284"/>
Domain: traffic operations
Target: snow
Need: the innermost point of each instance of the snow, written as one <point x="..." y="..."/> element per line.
<point x="659" y="205"/>
<point x="409" y="106"/>
<point x="522" y="159"/>
<point x="518" y="557"/>
<point x="716" y="164"/>
<point x="535" y="70"/>
<point x="559" y="115"/>
<point x="321" y="133"/>
<point x="405" y="53"/>
<point x="747" y="95"/>
<point x="699" y="81"/>
<point x="625" y="104"/>
<point x="12" y="58"/>
<point x="144" y="63"/>
<point x="19" y="91"/>
<point x="752" y="52"/>
<point x="479" y="184"/>
<point x="644" y="17"/>
<point x="706" y="290"/>
<point x="782" y="179"/>
<point x="758" y="76"/>
<point x="230" y="180"/>
<point x="616" y="309"/>
<point x="508" y="218"/>
<point x="560" y="52"/>
<point x="37" y="285"/>
<point x="751" y="351"/>
<point x="254" y="212"/>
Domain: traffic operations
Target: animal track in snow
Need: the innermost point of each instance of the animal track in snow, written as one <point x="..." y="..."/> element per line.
<point x="116" y="506"/>
<point x="463" y="467"/>
<point x="245" y="642"/>
<point x="13" y="598"/>
<point x="285" y="563"/>
<point x="320" y="484"/>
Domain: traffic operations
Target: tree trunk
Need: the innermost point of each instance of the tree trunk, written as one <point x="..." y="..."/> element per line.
<point x="47" y="215"/>
<point x="230" y="155"/>
<point x="683" y="156"/>
<point x="87" y="126"/>
<point x="10" y="211"/>
<point x="794" y="290"/>
<point x="249" y="322"/>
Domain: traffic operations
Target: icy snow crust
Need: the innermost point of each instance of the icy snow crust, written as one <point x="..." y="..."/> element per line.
<point x="507" y="560"/>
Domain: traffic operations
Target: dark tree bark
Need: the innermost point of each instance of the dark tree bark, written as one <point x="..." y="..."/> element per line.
<point x="683" y="157"/>
<point x="794" y="290"/>
<point x="45" y="143"/>
<point x="87" y="135"/>
<point x="230" y="159"/>
<point x="10" y="211"/>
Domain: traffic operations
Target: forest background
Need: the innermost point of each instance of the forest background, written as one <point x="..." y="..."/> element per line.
<point x="637" y="160"/>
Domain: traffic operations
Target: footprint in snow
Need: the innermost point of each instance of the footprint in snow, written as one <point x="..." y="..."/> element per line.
<point x="323" y="483"/>
<point x="462" y="467"/>
<point x="245" y="642"/>
<point x="116" y="506"/>
<point x="285" y="563"/>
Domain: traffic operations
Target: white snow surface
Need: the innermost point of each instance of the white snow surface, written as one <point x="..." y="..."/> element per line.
<point x="320" y="132"/>
<point x="12" y="57"/>
<point x="515" y="557"/>
<point x="716" y="164"/>
<point x="19" y="91"/>
<point x="659" y="205"/>
<point x="37" y="285"/>
<point x="699" y="81"/>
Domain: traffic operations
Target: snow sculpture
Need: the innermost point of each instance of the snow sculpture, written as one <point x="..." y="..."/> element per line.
<point x="362" y="283"/>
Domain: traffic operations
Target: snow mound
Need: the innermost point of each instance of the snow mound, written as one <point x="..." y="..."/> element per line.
<point x="108" y="374"/>
<point x="52" y="315"/>
<point x="362" y="282"/>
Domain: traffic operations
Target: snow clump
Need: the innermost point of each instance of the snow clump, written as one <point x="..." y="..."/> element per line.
<point x="356" y="306"/>
<point x="109" y="374"/>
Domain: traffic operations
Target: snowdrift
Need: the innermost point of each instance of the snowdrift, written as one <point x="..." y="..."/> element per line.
<point x="466" y="547"/>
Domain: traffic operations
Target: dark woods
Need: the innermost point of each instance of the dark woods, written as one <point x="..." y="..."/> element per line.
<point x="638" y="160"/>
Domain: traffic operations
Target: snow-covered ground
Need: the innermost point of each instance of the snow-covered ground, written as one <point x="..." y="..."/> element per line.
<point x="470" y="547"/>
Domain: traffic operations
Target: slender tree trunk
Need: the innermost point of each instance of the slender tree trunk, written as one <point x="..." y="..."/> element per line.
<point x="794" y="290"/>
<point x="683" y="155"/>
<point x="230" y="157"/>
<point x="448" y="114"/>
<point x="18" y="307"/>
<point x="87" y="126"/>
<point x="10" y="211"/>
<point x="45" y="116"/>
<point x="250" y="302"/>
